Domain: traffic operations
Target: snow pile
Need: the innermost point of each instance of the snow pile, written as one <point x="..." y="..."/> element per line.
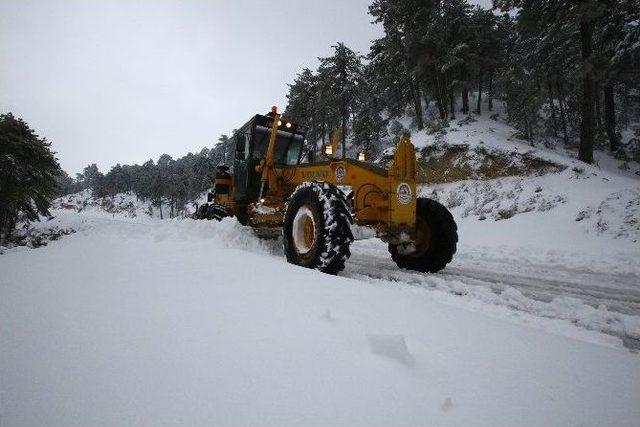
<point x="595" y="202"/>
<point x="191" y="207"/>
<point x="495" y="199"/>
<point x="33" y="236"/>
<point x="618" y="215"/>
<point x="227" y="233"/>
<point x="155" y="323"/>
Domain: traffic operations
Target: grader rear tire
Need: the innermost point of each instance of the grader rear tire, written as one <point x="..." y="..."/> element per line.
<point x="437" y="239"/>
<point x="317" y="228"/>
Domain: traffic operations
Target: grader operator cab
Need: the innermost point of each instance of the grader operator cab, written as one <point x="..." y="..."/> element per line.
<point x="274" y="186"/>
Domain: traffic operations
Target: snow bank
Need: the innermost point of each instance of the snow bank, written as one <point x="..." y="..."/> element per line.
<point x="508" y="291"/>
<point x="165" y="323"/>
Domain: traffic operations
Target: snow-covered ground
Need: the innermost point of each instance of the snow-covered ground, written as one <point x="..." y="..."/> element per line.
<point x="136" y="321"/>
<point x="130" y="322"/>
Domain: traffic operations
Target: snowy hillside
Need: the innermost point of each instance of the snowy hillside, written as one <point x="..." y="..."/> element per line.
<point x="603" y="199"/>
<point x="136" y="321"/>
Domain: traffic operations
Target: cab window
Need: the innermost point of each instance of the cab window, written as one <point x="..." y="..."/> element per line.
<point x="293" y="153"/>
<point x="287" y="149"/>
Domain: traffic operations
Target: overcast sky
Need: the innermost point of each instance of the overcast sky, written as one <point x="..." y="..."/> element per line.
<point x="123" y="81"/>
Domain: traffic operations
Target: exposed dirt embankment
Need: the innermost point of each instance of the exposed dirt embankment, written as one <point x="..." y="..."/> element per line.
<point x="444" y="162"/>
<point x="449" y="163"/>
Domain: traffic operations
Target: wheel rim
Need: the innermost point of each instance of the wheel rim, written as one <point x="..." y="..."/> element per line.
<point x="423" y="237"/>
<point x="304" y="231"/>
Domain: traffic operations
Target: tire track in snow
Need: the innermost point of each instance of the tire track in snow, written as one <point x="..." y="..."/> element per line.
<point x="551" y="286"/>
<point x="626" y="301"/>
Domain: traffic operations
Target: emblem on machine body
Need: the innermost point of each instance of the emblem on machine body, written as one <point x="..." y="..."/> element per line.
<point x="404" y="193"/>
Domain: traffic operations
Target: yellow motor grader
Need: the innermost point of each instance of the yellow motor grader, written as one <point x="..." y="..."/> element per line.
<point x="272" y="188"/>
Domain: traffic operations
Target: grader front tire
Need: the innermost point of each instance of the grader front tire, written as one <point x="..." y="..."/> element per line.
<point x="436" y="242"/>
<point x="317" y="228"/>
<point x="211" y="211"/>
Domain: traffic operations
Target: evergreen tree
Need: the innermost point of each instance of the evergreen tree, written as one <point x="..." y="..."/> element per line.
<point x="28" y="174"/>
<point x="302" y="104"/>
<point x="65" y="184"/>
<point x="549" y="16"/>
<point x="339" y="75"/>
<point x="404" y="52"/>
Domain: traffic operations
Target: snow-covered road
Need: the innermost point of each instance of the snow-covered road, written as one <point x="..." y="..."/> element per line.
<point x="556" y="291"/>
<point x="619" y="292"/>
<point x="200" y="323"/>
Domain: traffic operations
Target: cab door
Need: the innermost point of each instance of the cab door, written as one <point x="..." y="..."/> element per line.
<point x="241" y="167"/>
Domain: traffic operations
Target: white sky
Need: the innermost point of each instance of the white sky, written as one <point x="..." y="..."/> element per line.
<point x="123" y="81"/>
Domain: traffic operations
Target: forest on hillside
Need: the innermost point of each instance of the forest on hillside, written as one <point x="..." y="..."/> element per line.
<point x="565" y="72"/>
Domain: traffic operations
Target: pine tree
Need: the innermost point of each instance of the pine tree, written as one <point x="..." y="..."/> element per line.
<point x="302" y="104"/>
<point x="403" y="54"/>
<point x="339" y="75"/>
<point x="486" y="50"/>
<point x="617" y="41"/>
<point x="369" y="127"/>
<point x="28" y="174"/>
<point x="65" y="184"/>
<point x="549" y="16"/>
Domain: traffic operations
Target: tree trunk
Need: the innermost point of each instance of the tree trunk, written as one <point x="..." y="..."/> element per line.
<point x="478" y="107"/>
<point x="552" y="105"/>
<point x="161" y="210"/>
<point x="585" y="151"/>
<point x="417" y="105"/>
<point x="563" y="115"/>
<point x="597" y="105"/>
<point x="453" y="104"/>
<point x="425" y="96"/>
<point x="444" y="97"/>
<point x="490" y="93"/>
<point x="344" y="130"/>
<point x="444" y="81"/>
<point x="441" y="98"/>
<point x="530" y="131"/>
<point x="7" y="223"/>
<point x="465" y="100"/>
<point x="610" y="117"/>
<point x="465" y="91"/>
